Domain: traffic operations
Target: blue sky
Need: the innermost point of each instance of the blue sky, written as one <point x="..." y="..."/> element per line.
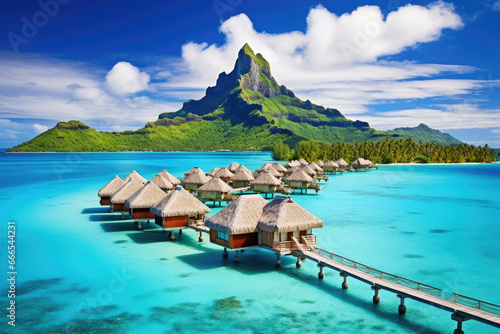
<point x="117" y="64"/>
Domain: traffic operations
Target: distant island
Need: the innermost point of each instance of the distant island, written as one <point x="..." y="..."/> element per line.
<point x="246" y="110"/>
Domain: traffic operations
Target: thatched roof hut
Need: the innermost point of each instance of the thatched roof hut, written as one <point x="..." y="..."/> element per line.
<point x="271" y="170"/>
<point x="279" y="168"/>
<point x="266" y="178"/>
<point x="162" y="182"/>
<point x="148" y="196"/>
<point x="330" y="166"/>
<point x="193" y="170"/>
<point x="265" y="166"/>
<point x="360" y="163"/>
<point x="172" y="179"/>
<point x="302" y="161"/>
<point x="136" y="177"/>
<point x="242" y="167"/>
<point x="239" y="217"/>
<point x="341" y="163"/>
<point x="282" y="214"/>
<point x="224" y="174"/>
<point x="316" y="168"/>
<point x="319" y="163"/>
<point x="308" y="170"/>
<point x="242" y="178"/>
<point x="111" y="187"/>
<point x="213" y="172"/>
<point x="179" y="202"/>
<point x="215" y="185"/>
<point x="233" y="167"/>
<point x="298" y="176"/>
<point x="195" y="179"/>
<point x="121" y="195"/>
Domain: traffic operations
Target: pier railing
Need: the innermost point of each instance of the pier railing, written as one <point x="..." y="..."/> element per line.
<point x="450" y="296"/>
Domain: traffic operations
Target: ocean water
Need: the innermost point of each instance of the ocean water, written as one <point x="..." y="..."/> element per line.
<point x="82" y="269"/>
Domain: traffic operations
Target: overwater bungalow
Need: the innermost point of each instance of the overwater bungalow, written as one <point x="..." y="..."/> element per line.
<point x="279" y="168"/>
<point x="109" y="189"/>
<point x="224" y="174"/>
<point x="242" y="179"/>
<point x="320" y="163"/>
<point x="121" y="195"/>
<point x="242" y="167"/>
<point x="309" y="171"/>
<point x="360" y="163"/>
<point x="178" y="209"/>
<point x="233" y="167"/>
<point x="342" y="165"/>
<point x="285" y="226"/>
<point x="330" y="167"/>
<point x="215" y="190"/>
<point x="194" y="170"/>
<point x="316" y="168"/>
<point x="195" y="179"/>
<point x="265" y="183"/>
<point x="136" y="177"/>
<point x="271" y="170"/>
<point x="141" y="202"/>
<point x="172" y="179"/>
<point x="299" y="180"/>
<point x="302" y="161"/>
<point x="162" y="183"/>
<point x="235" y="226"/>
<point x="213" y="171"/>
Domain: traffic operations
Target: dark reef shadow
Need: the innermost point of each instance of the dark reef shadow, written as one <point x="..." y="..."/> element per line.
<point x="103" y="209"/>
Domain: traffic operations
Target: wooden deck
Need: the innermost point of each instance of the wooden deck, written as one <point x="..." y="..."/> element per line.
<point x="462" y="308"/>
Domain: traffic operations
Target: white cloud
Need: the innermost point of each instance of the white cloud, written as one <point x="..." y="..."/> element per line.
<point x="124" y="78"/>
<point x="39" y="128"/>
<point x="496" y="5"/>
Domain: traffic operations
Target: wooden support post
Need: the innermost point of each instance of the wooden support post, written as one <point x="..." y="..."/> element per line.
<point x="200" y="239"/>
<point x="459" y="319"/>
<point x="376" y="297"/>
<point x="278" y="260"/>
<point x="298" y="264"/>
<point x="123" y="215"/>
<point x="172" y="235"/>
<point x="224" y="254"/>
<point x="237" y="257"/>
<point x="321" y="273"/>
<point x="180" y="232"/>
<point x="402" y="307"/>
<point x="345" y="285"/>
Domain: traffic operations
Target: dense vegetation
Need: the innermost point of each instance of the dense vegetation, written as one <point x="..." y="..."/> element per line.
<point x="392" y="151"/>
<point x="425" y="134"/>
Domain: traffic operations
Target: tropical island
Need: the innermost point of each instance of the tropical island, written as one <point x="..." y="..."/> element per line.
<point x="248" y="110"/>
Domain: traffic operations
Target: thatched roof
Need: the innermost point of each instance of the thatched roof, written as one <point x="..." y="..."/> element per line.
<point x="223" y="172"/>
<point x="360" y="162"/>
<point x="213" y="171"/>
<point x="315" y="167"/>
<point x="271" y="170"/>
<point x="320" y="163"/>
<point x="136" y="177"/>
<point x="162" y="182"/>
<point x="279" y="168"/>
<point x="146" y="197"/>
<point x="293" y="168"/>
<point x="239" y="217"/>
<point x="121" y="195"/>
<point x="217" y="185"/>
<point x="111" y="187"/>
<point x="194" y="169"/>
<point x="196" y="177"/>
<point x="265" y="166"/>
<point x="302" y="161"/>
<point x="282" y="214"/>
<point x="172" y="179"/>
<point x="179" y="202"/>
<point x="266" y="178"/>
<point x="330" y="164"/>
<point x="241" y="167"/>
<point x="299" y="175"/>
<point x="308" y="170"/>
<point x="242" y="175"/>
<point x="233" y="167"/>
<point x="341" y="163"/>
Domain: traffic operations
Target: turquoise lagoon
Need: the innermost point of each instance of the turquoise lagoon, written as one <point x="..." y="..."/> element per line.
<point x="82" y="269"/>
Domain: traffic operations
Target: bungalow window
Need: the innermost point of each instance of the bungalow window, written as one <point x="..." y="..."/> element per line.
<point x="222" y="236"/>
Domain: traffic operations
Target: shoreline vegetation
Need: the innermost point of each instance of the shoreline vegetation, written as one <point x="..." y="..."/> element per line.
<point x="404" y="151"/>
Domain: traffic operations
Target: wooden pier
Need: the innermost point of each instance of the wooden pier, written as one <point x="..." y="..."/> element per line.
<point x="462" y="308"/>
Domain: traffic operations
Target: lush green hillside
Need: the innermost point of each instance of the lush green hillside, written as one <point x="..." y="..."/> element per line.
<point x="425" y="134"/>
<point x="246" y="110"/>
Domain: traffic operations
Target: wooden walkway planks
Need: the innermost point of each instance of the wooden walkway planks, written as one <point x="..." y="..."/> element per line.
<point x="456" y="308"/>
